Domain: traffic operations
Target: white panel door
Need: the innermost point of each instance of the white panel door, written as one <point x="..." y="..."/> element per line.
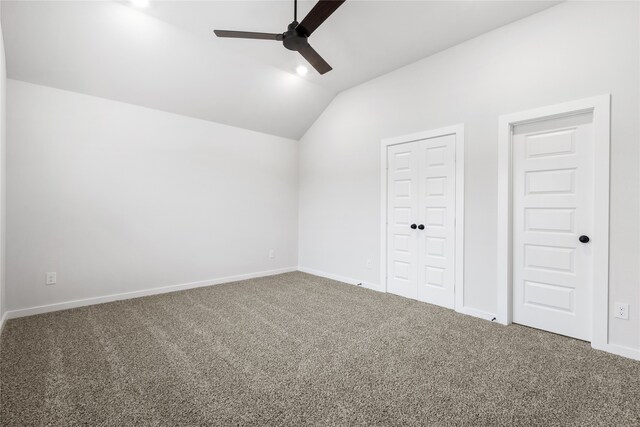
<point x="402" y="213"/>
<point x="436" y="204"/>
<point x="553" y="190"/>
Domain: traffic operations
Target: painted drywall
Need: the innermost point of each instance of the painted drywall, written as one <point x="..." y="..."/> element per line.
<point x="166" y="56"/>
<point x="117" y="198"/>
<point x="571" y="51"/>
<point x="3" y="145"/>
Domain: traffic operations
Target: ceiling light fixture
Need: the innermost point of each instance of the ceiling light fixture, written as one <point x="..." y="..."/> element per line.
<point x="302" y="70"/>
<point x="140" y="3"/>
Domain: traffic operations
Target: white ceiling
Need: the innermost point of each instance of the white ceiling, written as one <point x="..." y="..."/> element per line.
<point x="166" y="56"/>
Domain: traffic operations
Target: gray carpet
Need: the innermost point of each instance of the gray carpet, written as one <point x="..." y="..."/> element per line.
<point x="296" y="350"/>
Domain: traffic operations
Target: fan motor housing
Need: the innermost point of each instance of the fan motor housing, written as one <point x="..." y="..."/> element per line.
<point x="294" y="40"/>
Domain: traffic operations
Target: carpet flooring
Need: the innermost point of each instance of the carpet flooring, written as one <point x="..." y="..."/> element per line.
<point x="298" y="350"/>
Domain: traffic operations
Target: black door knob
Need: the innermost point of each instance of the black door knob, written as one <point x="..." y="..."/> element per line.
<point x="583" y="239"/>
<point x="413" y="226"/>
<point x="421" y="227"/>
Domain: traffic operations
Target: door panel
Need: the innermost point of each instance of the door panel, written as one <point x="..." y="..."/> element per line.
<point x="402" y="211"/>
<point x="552" y="206"/>
<point x="436" y="264"/>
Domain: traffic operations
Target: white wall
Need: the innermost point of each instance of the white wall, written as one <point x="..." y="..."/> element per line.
<point x="3" y="145"/>
<point x="118" y="198"/>
<point x="571" y="51"/>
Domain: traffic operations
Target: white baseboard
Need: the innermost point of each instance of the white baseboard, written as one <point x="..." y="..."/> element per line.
<point x="628" y="352"/>
<point x="338" y="278"/>
<point x="476" y="313"/>
<point x="30" y="311"/>
<point x="619" y="350"/>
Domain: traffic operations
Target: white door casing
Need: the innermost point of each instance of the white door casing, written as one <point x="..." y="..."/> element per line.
<point x="599" y="107"/>
<point x="553" y="171"/>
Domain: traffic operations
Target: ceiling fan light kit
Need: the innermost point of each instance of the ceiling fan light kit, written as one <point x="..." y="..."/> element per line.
<point x="297" y="34"/>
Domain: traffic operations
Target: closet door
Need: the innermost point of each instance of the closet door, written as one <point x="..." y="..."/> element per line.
<point x="436" y="206"/>
<point x="402" y="214"/>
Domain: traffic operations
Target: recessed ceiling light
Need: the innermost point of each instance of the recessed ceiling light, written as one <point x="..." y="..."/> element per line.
<point x="140" y="3"/>
<point x="302" y="70"/>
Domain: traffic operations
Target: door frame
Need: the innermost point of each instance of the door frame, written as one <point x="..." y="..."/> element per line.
<point x="599" y="106"/>
<point x="458" y="131"/>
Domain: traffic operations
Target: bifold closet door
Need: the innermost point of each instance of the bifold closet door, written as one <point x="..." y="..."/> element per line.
<point x="402" y="212"/>
<point x="437" y="211"/>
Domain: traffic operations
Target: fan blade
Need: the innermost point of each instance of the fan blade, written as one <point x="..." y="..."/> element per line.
<point x="247" y="35"/>
<point x="315" y="60"/>
<point x="320" y="12"/>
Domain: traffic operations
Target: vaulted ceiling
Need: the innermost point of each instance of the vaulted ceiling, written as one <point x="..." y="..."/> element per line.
<point x="166" y="57"/>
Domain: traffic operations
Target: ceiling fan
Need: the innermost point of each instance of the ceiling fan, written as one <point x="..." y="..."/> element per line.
<point x="295" y="38"/>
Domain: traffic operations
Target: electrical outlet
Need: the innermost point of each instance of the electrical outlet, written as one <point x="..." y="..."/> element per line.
<point x="369" y="264"/>
<point x="51" y="278"/>
<point x="621" y="311"/>
<point x="272" y="253"/>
